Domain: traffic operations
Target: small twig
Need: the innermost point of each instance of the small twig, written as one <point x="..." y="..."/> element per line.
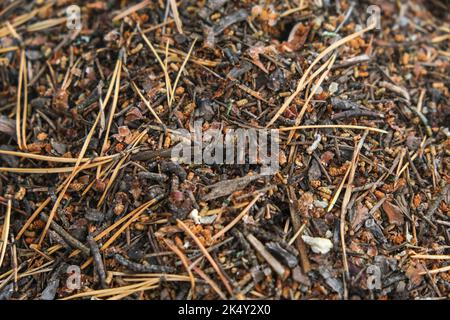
<point x="277" y="266"/>
<point x="98" y="261"/>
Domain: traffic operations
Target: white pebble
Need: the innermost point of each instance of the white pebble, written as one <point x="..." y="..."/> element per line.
<point x="318" y="245"/>
<point x="333" y="88"/>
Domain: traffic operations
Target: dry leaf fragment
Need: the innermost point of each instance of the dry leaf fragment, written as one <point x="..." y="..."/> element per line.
<point x="394" y="213"/>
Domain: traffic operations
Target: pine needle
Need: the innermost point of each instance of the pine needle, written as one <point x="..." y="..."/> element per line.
<point x="180" y="71"/>
<point x="176" y="15"/>
<point x="299" y="118"/>
<point x="5" y="232"/>
<point x="25" y="101"/>
<point x="52" y="170"/>
<point x="301" y="84"/>
<point x="161" y="63"/>
<point x="113" y="107"/>
<point x="19" y="101"/>
<point x="237" y="219"/>
<point x="55" y="159"/>
<point x="332" y="126"/>
<point x="46" y="24"/>
<point x="346" y="200"/>
<point x="146" y="102"/>
<point x="130" y="10"/>
<point x="184" y="261"/>
<point x="206" y="254"/>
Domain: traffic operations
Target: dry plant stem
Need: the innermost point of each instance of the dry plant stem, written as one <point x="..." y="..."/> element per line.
<point x="345" y="201"/>
<point x="237" y="219"/>
<point x="207" y="255"/>
<point x="5" y="232"/>
<point x="301" y="84"/>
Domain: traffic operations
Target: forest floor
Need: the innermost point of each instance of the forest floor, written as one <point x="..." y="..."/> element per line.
<point x="96" y="96"/>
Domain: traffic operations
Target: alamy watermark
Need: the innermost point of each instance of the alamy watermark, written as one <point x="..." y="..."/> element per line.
<point x="73" y="14"/>
<point x="234" y="146"/>
<point x="73" y="281"/>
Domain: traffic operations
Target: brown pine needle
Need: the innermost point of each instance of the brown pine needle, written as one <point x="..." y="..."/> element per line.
<point x="176" y="15"/>
<point x="111" y="291"/>
<point x="345" y="201"/>
<point x="210" y="281"/>
<point x="5" y="232"/>
<point x="237" y="219"/>
<point x="33" y="217"/>
<point x="333" y="126"/>
<point x="435" y="271"/>
<point x="184" y="261"/>
<point x="299" y="118"/>
<point x="339" y="189"/>
<point x="146" y="102"/>
<point x="157" y="26"/>
<point x="55" y="159"/>
<point x="131" y="217"/>
<point x="46" y="24"/>
<point x="199" y="61"/>
<point x="301" y="84"/>
<point x="8" y="49"/>
<point x="111" y="180"/>
<point x="25" y="101"/>
<point x="113" y="107"/>
<point x="116" y="170"/>
<point x="137" y="213"/>
<point x="180" y="71"/>
<point x="132" y="9"/>
<point x="52" y="170"/>
<point x="60" y="197"/>
<point x="76" y="170"/>
<point x="19" y="101"/>
<point x="431" y="256"/>
<point x="161" y="63"/>
<point x="207" y="255"/>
